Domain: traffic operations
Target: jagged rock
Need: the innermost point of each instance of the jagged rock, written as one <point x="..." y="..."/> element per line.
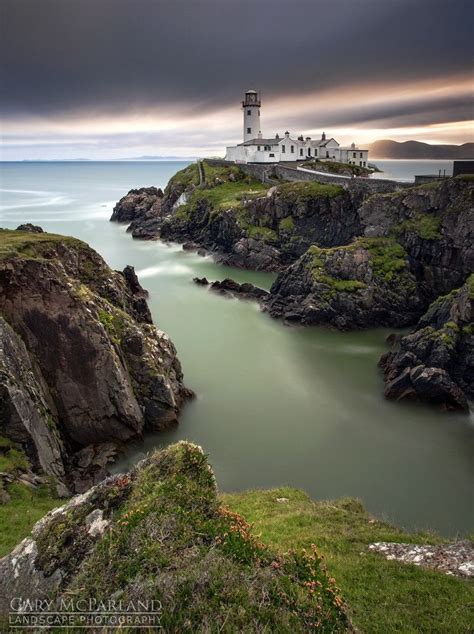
<point x="140" y="203"/>
<point x="27" y="415"/>
<point x="435" y="362"/>
<point x="367" y="283"/>
<point x="202" y="281"/>
<point x="100" y="371"/>
<point x="191" y="246"/>
<point x="30" y="227"/>
<point x="243" y="291"/>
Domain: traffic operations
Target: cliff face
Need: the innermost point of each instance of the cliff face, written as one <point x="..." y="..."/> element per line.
<point x="435" y="362"/>
<point x="158" y="534"/>
<point x="79" y="356"/>
<point x="417" y="244"/>
<point x="367" y="283"/>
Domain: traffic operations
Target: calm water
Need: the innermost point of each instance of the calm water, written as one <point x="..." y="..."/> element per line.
<point x="405" y="170"/>
<point x="275" y="405"/>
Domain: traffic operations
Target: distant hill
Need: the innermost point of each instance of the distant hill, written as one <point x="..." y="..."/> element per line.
<point x="416" y="150"/>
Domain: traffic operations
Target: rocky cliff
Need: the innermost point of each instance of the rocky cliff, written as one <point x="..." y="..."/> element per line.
<point x="82" y="368"/>
<point x="157" y="540"/>
<point x="416" y="245"/>
<point x="242" y="221"/>
<point x="435" y="362"/>
<point x="345" y="259"/>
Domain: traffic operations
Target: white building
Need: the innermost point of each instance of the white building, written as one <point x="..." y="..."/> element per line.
<point x="258" y="149"/>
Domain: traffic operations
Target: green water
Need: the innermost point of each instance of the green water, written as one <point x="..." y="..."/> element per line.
<point x="275" y="405"/>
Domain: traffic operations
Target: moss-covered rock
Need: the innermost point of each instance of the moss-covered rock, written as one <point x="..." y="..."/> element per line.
<point x="160" y="534"/>
<point x="365" y="283"/>
<point x="435" y="362"/>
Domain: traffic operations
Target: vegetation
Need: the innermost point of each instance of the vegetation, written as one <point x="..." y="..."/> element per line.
<point x="426" y="226"/>
<point x="287" y="224"/>
<point x="334" y="167"/>
<point x="30" y="245"/>
<point x="388" y="257"/>
<point x="318" y="257"/>
<point x="25" y="507"/>
<point x="12" y="458"/>
<point x="383" y="596"/>
<point x="171" y="540"/>
<point x="308" y="189"/>
<point x="186" y="177"/>
<point x="261" y="233"/>
<point x="20" y="505"/>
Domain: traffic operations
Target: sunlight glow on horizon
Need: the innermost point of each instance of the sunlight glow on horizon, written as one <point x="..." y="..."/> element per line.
<point x="179" y="130"/>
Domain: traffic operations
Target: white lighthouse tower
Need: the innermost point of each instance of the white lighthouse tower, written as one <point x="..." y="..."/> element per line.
<point x="251" y="109"/>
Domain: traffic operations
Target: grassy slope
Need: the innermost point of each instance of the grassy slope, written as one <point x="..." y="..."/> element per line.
<point x="384" y="596"/>
<point x="24" y="509"/>
<point x="29" y="244"/>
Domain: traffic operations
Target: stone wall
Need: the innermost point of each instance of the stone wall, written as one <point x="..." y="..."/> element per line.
<point x="286" y="172"/>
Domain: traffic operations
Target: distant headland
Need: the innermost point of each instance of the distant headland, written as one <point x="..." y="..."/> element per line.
<point x="387" y="149"/>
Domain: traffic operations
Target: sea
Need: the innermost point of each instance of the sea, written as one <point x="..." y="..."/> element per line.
<point x="276" y="405"/>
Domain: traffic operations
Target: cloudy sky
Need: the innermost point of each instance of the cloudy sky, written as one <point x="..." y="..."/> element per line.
<point x="120" y="78"/>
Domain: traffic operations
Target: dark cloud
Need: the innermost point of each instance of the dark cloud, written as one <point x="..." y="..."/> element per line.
<point x="196" y="55"/>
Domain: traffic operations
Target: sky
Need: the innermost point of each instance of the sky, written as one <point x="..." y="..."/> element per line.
<point x="106" y="79"/>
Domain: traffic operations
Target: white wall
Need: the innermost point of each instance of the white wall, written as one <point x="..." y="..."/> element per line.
<point x="251" y="121"/>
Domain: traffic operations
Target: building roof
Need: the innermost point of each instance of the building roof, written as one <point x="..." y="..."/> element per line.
<point x="273" y="141"/>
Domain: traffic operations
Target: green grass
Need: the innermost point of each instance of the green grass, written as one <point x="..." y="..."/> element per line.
<point x="230" y="194"/>
<point x="287" y="224"/>
<point x="30" y="245"/>
<point x="26" y="506"/>
<point x="187" y="176"/>
<point x="334" y="167"/>
<point x="383" y="596"/>
<point x="172" y="541"/>
<point x="388" y="257"/>
<point x="426" y="226"/>
<point x="317" y="259"/>
<point x="310" y="189"/>
<point x="261" y="233"/>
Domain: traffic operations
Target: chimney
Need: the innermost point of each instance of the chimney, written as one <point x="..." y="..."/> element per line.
<point x="287" y="134"/>
<point x="323" y="137"/>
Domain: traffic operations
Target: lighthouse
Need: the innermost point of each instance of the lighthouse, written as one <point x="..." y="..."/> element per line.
<point x="251" y="110"/>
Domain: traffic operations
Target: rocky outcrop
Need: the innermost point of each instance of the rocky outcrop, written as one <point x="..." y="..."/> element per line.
<point x="435" y="362"/>
<point x="230" y="288"/>
<point x="367" y="283"/>
<point x="137" y="204"/>
<point x="143" y="209"/>
<point x="157" y="540"/>
<point x="26" y="416"/>
<point x="269" y="230"/>
<point x="98" y="370"/>
<point x="30" y="227"/>
<point x="416" y="245"/>
<point x="435" y="225"/>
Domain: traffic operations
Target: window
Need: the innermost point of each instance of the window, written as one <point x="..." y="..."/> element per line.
<point x="267" y="148"/>
<point x="301" y="151"/>
<point x="249" y="112"/>
<point x="360" y="163"/>
<point x="292" y="149"/>
<point x="283" y="149"/>
<point x="364" y="164"/>
<point x="361" y="155"/>
<point x="271" y="155"/>
<point x="354" y="154"/>
<point x="258" y="148"/>
<point x="249" y="130"/>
